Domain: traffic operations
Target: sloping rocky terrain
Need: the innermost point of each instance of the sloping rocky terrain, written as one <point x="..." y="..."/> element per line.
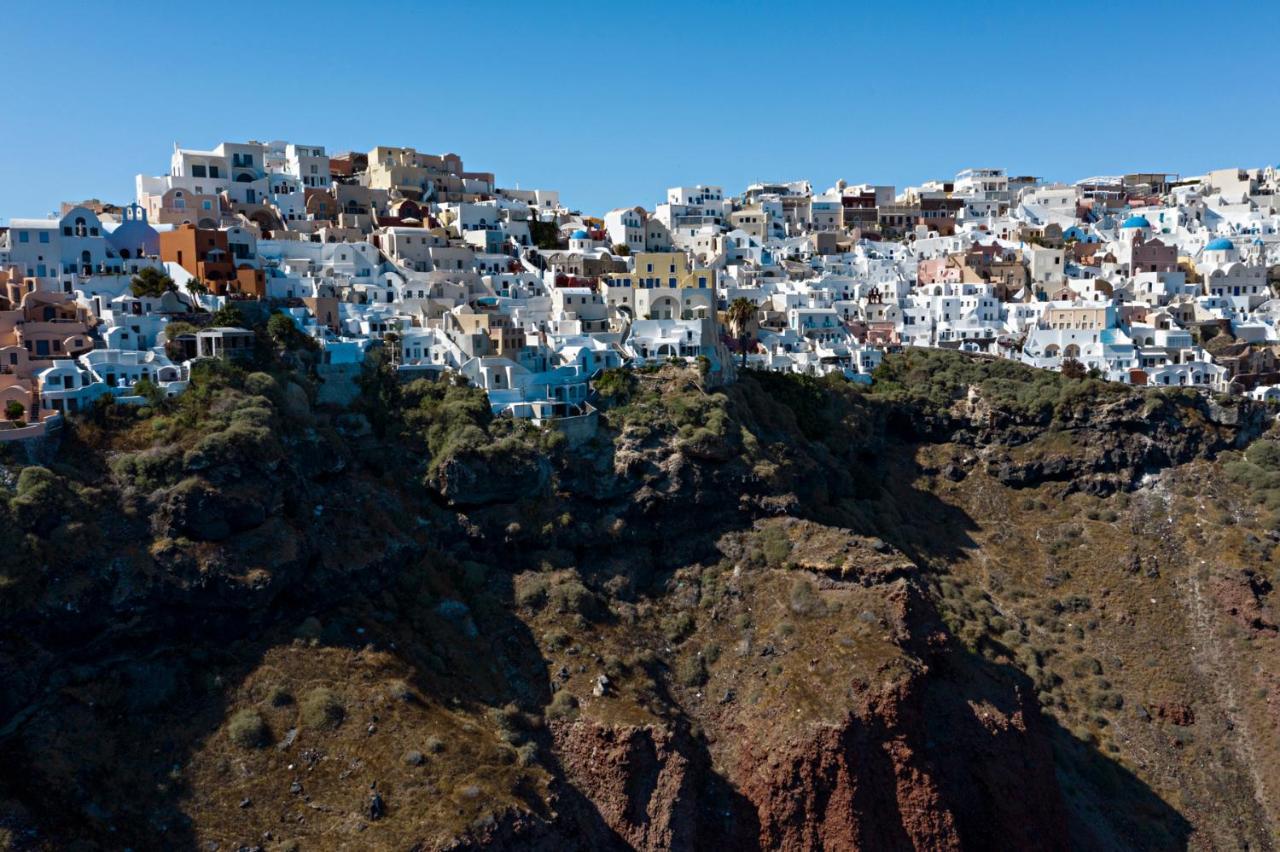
<point x="973" y="607"/>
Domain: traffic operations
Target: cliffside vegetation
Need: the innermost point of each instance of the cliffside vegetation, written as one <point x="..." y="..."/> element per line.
<point x="972" y="605"/>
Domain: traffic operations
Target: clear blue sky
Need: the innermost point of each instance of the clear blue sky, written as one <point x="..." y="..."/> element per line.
<point x="612" y="102"/>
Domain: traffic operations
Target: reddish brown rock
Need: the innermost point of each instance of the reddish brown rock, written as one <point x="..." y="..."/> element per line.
<point x="1176" y="713"/>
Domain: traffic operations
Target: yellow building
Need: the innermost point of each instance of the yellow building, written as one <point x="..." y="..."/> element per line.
<point x="660" y="269"/>
<point x="655" y="270"/>
<point x="641" y="291"/>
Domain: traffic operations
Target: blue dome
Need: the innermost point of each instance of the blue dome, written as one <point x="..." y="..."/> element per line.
<point x="1220" y="244"/>
<point x="1136" y="222"/>
<point x="579" y="235"/>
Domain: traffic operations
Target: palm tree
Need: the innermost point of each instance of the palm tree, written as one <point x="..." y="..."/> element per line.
<point x="392" y="342"/>
<point x="151" y="282"/>
<point x="740" y="314"/>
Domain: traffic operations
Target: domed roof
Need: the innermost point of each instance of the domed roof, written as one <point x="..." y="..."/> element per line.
<point x="579" y="235"/>
<point x="1136" y="222"/>
<point x="1220" y="244"/>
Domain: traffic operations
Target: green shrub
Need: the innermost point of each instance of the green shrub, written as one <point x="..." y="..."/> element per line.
<point x="321" y="709"/>
<point x="615" y="667"/>
<point x="937" y="379"/>
<point x="563" y="705"/>
<point x="677" y="626"/>
<point x="775" y="545"/>
<point x="569" y="595"/>
<point x="261" y="384"/>
<point x="513" y="725"/>
<point x="527" y="754"/>
<point x="247" y="729"/>
<point x="149" y="391"/>
<point x="615" y="386"/>
<point x="43" y="500"/>
<point x="691" y="670"/>
<point x="1106" y="700"/>
<point x="1265" y="454"/>
<point x="532" y="593"/>
<point x="156" y="467"/>
<point x="804" y="597"/>
<point x="242" y="443"/>
<point x="556" y="640"/>
<point x="1086" y="666"/>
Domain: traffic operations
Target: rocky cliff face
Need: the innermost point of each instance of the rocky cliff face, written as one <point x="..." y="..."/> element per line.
<point x="785" y="614"/>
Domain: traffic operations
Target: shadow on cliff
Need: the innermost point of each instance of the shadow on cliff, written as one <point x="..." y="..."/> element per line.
<point x="1014" y="778"/>
<point x="1006" y="787"/>
<point x="1008" y="776"/>
<point x="506" y="666"/>
<point x="1109" y="806"/>
<point x="93" y="762"/>
<point x="712" y="811"/>
<point x="96" y="759"/>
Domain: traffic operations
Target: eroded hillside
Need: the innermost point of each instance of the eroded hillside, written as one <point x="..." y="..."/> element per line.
<point x="975" y="607"/>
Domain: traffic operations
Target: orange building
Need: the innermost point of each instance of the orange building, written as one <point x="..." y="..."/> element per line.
<point x="203" y="252"/>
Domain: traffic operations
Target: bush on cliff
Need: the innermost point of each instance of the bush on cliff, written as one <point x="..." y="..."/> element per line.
<point x="670" y="401"/>
<point x="321" y="709"/>
<point x="454" y="420"/>
<point x="1257" y="470"/>
<point x="247" y="729"/>
<point x="615" y="386"/>
<point x="563" y="706"/>
<point x="937" y="379"/>
<point x="43" y="499"/>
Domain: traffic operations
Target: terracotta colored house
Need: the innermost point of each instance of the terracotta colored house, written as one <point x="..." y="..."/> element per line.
<point x="39" y="328"/>
<point x="325" y="310"/>
<point x="204" y="253"/>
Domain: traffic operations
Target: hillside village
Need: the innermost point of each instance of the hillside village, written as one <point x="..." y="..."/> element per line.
<point x="1151" y="279"/>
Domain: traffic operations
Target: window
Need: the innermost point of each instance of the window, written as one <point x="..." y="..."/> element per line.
<point x="24" y="237"/>
<point x="199" y="171"/>
<point x="213" y="171"/>
<point x="44" y="236"/>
